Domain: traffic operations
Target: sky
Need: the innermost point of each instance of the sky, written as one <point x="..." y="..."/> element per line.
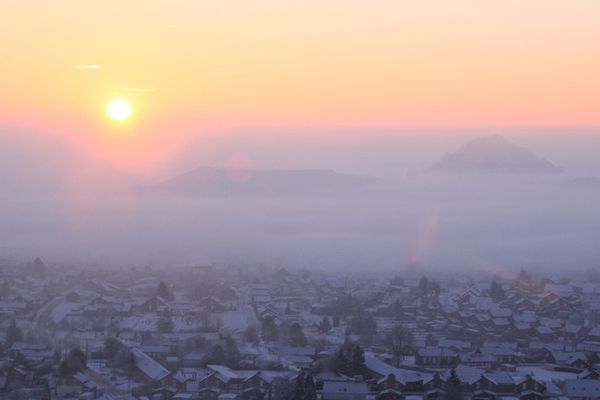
<point x="196" y="69"/>
<point x="375" y="87"/>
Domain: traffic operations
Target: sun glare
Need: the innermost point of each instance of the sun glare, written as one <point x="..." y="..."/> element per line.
<point x="119" y="109"/>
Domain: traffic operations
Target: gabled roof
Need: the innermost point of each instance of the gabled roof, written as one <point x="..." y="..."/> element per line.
<point x="527" y="377"/>
<point x="467" y="374"/>
<point x="435" y="352"/>
<point x="384" y="370"/>
<point x="149" y="367"/>
<point x="500" y="378"/>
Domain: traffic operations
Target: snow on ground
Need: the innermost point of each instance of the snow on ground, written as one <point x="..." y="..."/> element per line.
<point x="237" y="320"/>
<point x="60" y="311"/>
<point x="140" y="323"/>
<point x="185" y="325"/>
<point x="544" y="374"/>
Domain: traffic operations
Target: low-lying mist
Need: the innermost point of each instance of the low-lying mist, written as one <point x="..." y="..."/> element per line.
<point x="433" y="220"/>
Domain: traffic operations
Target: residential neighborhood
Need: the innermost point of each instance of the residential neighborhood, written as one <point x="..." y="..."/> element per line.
<point x="213" y="332"/>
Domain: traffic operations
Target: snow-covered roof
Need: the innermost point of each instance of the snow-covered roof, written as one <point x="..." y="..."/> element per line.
<point x="149" y="367"/>
<point x="384" y="369"/>
<point x="583" y="388"/>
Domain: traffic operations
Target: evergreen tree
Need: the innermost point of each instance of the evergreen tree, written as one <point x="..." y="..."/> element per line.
<point x="56" y="356"/>
<point x="434" y="288"/>
<point x="163" y="291"/>
<point x="74" y="362"/>
<point x="216" y="356"/>
<point x="298" y="393"/>
<point x="123" y="358"/>
<point x="396" y="308"/>
<point x="369" y="325"/>
<point x="130" y="368"/>
<point x="13" y="334"/>
<point x="232" y="353"/>
<point x="496" y="291"/>
<point x="349" y="359"/>
<point x="453" y="387"/>
<point x="251" y="334"/>
<point x="296" y="335"/>
<point x="424" y="285"/>
<point x="336" y="321"/>
<point x="430" y="340"/>
<point x="363" y="323"/>
<point x="358" y="360"/>
<point x="325" y="325"/>
<point x="524" y="279"/>
<point x="270" y="333"/>
<point x="165" y="323"/>
<point x="304" y="389"/>
<point x="5" y="289"/>
<point x="111" y="347"/>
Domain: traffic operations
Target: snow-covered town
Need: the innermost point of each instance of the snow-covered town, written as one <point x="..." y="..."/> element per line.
<point x="300" y="200"/>
<point x="202" y="332"/>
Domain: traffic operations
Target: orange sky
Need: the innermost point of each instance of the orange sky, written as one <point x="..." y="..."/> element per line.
<point x="250" y="64"/>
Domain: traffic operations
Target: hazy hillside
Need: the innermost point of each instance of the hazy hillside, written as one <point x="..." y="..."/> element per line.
<point x="494" y="154"/>
<point x="223" y="181"/>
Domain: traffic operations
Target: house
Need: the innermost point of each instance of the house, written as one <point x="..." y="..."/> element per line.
<point x="213" y="304"/>
<point x="594" y="333"/>
<point x="344" y="390"/>
<point x="389" y="388"/>
<point x="434" y="388"/>
<point x="582" y="389"/>
<point x="13" y="307"/>
<point x="14" y="377"/>
<point x="406" y="379"/>
<point x="152" y="371"/>
<point x="163" y="392"/>
<point x="559" y="357"/>
<point x="260" y="294"/>
<point x="193" y="359"/>
<point x="74" y="385"/>
<point x="484" y="360"/>
<point x="34" y="352"/>
<point x="246" y="383"/>
<point x="269" y="311"/>
<point x="502" y="354"/>
<point x="153" y="304"/>
<point x="437" y="356"/>
<point x="493" y="383"/>
<point x="157" y="352"/>
<point x="187" y="379"/>
<point x="530" y="388"/>
<point x="573" y="331"/>
<point x="226" y="293"/>
<point x="303" y="354"/>
<point x="544" y="332"/>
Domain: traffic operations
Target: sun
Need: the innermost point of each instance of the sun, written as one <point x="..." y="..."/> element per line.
<point x="119" y="109"/>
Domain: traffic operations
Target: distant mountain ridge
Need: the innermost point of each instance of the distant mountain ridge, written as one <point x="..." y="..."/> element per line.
<point x="489" y="154"/>
<point x="227" y="181"/>
<point x="584" y="182"/>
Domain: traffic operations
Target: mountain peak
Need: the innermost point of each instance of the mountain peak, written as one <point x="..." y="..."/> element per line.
<point x="494" y="153"/>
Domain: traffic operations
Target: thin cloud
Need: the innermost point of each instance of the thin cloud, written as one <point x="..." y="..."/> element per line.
<point x="88" y="66"/>
<point x="136" y="89"/>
